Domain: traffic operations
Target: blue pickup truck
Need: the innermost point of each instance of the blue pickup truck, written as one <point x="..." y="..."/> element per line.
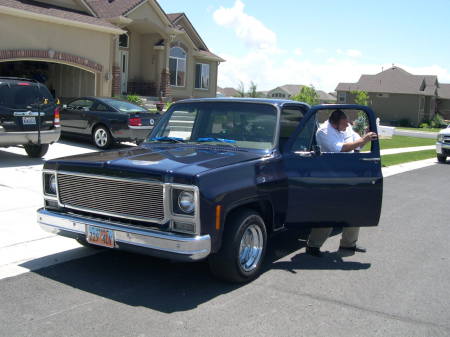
<point x="215" y="179"/>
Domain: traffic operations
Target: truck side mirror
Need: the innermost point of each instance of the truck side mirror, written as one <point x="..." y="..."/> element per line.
<point x="316" y="150"/>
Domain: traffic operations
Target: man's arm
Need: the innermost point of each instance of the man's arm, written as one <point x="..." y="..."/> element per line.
<point x="350" y="146"/>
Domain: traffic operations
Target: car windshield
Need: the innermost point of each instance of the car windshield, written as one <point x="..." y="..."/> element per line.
<point x="124" y="106"/>
<point x="234" y="124"/>
<point x="22" y="95"/>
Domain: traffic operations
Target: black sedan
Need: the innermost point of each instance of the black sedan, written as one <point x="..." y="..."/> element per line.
<point x="106" y="120"/>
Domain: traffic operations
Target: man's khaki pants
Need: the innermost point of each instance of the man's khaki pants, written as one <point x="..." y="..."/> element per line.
<point x="318" y="236"/>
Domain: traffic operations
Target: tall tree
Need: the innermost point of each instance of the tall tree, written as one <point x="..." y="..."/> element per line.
<point x="252" y="92"/>
<point x="361" y="97"/>
<point x="241" y="89"/>
<point x="307" y="95"/>
<point x="361" y="123"/>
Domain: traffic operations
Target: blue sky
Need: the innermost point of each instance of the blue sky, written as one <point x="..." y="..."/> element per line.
<point x="320" y="42"/>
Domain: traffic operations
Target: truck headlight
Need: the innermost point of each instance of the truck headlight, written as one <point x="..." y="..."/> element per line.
<point x="186" y="202"/>
<point x="50" y="185"/>
<point x="440" y="137"/>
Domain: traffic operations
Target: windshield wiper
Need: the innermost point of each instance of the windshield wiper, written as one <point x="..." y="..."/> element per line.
<point x="168" y="139"/>
<point x="214" y="139"/>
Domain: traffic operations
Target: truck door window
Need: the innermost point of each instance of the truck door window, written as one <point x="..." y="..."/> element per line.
<point x="306" y="137"/>
<point x="290" y="118"/>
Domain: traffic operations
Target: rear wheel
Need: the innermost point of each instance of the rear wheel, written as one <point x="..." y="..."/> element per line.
<point x="36" y="151"/>
<point x="243" y="248"/>
<point x="441" y="158"/>
<point x="102" y="137"/>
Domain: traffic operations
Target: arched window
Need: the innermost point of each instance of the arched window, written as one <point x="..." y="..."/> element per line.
<point x="177" y="66"/>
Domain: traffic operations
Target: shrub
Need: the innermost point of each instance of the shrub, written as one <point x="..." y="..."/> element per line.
<point x="438" y="122"/>
<point x="135" y="99"/>
<point x="424" y="125"/>
<point x="405" y="122"/>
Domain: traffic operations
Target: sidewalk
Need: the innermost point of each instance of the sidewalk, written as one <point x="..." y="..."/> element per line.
<point x="418" y="134"/>
<point x="407" y="149"/>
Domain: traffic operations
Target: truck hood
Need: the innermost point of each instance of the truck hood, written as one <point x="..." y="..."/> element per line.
<point x="159" y="159"/>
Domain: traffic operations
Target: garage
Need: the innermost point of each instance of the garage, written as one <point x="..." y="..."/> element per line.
<point x="63" y="81"/>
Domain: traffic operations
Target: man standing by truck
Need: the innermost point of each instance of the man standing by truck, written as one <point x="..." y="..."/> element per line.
<point x="332" y="136"/>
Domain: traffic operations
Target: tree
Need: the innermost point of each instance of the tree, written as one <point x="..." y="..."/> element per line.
<point x="361" y="123"/>
<point x="252" y="91"/>
<point x="307" y="95"/>
<point x="241" y="89"/>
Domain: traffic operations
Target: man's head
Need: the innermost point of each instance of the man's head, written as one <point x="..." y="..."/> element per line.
<point x="338" y="119"/>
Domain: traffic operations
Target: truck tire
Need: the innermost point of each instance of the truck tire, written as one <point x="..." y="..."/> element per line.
<point x="101" y="137"/>
<point x="243" y="248"/>
<point x="441" y="158"/>
<point x="36" y="151"/>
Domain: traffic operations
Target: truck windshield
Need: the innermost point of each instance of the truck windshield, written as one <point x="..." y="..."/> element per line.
<point x="17" y="96"/>
<point x="236" y="124"/>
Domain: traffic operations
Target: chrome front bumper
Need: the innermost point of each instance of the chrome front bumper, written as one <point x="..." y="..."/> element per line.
<point x="442" y="147"/>
<point x="161" y="244"/>
<point x="29" y="137"/>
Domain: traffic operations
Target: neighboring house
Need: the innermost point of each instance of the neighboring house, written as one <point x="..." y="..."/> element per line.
<point x="105" y="48"/>
<point x="443" y="100"/>
<point x="398" y="96"/>
<point x="227" y="92"/>
<point x="289" y="90"/>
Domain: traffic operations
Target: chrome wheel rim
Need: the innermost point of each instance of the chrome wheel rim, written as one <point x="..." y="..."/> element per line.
<point x="101" y="137"/>
<point x="251" y="248"/>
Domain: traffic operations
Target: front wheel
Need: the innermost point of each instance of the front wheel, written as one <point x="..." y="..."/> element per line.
<point x="36" y="151"/>
<point x="102" y="137"/>
<point x="441" y="158"/>
<point x="243" y="248"/>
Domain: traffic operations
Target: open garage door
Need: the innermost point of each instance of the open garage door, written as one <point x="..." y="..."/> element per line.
<point x="63" y="81"/>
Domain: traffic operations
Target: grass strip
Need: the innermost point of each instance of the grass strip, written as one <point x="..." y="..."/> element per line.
<point x="399" y="158"/>
<point x="401" y="142"/>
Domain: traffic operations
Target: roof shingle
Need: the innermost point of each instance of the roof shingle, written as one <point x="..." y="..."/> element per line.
<point x="106" y="9"/>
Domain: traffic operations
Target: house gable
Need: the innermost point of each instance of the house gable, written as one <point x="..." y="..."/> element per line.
<point x="181" y="22"/>
<point x="69" y="4"/>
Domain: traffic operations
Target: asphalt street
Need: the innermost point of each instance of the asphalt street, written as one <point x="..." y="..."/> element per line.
<point x="398" y="288"/>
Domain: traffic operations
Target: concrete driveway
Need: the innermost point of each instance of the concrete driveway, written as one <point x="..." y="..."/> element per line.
<point x="398" y="288"/>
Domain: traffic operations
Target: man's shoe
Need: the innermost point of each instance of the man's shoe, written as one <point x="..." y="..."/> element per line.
<point x="314" y="251"/>
<point x="355" y="248"/>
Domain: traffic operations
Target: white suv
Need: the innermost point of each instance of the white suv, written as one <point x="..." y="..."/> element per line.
<point x="443" y="145"/>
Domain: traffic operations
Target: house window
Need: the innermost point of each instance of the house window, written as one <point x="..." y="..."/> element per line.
<point x="342" y="97"/>
<point x="202" y="76"/>
<point x="123" y="41"/>
<point x="177" y="66"/>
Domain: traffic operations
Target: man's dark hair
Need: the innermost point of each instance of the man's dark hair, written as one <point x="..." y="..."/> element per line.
<point x="336" y="116"/>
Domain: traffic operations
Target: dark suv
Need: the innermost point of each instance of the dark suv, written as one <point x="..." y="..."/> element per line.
<point x="29" y="116"/>
<point x="215" y="179"/>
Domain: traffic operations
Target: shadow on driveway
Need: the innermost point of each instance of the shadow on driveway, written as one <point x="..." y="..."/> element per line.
<point x="139" y="280"/>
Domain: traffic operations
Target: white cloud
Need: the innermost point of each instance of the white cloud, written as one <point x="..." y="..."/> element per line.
<point x="246" y="27"/>
<point x="349" y="52"/>
<point x="298" y="52"/>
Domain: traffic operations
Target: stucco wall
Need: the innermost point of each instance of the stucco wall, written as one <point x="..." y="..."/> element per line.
<point x="19" y="33"/>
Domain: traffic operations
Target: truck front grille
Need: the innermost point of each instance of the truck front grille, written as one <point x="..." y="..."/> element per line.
<point x="129" y="199"/>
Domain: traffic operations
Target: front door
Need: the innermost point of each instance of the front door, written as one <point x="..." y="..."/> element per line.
<point x="327" y="189"/>
<point x="123" y="71"/>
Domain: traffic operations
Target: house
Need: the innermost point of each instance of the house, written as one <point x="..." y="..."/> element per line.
<point x="227" y="92"/>
<point x="399" y="97"/>
<point x="289" y="90"/>
<point x="105" y="48"/>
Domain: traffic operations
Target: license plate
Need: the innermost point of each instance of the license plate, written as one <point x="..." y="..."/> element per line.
<point x="28" y="120"/>
<point x="100" y="236"/>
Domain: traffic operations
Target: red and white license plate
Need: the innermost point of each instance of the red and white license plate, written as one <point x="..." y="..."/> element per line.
<point x="100" y="236"/>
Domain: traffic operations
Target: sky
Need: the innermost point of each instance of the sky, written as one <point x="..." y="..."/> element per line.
<point x="320" y="43"/>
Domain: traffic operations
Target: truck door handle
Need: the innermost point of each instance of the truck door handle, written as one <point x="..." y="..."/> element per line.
<point x="370" y="159"/>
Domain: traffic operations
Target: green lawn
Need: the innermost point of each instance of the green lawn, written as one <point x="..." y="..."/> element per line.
<point x="394" y="159"/>
<point x="420" y="129"/>
<point x="402" y="141"/>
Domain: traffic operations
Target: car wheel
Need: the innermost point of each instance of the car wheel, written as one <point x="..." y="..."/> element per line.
<point x="441" y="158"/>
<point x="36" y="151"/>
<point x="102" y="137"/>
<point x="243" y="248"/>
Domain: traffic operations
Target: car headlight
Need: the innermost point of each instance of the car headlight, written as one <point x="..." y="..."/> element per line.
<point x="50" y="185"/>
<point x="186" y="202"/>
<point x="440" y="137"/>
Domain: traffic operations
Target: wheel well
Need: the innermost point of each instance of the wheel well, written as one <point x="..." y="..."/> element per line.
<point x="263" y="207"/>
<point x="95" y="126"/>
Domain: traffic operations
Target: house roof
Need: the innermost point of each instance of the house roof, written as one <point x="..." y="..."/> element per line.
<point x="112" y="9"/>
<point x="174" y="16"/>
<point x="444" y="91"/>
<point x="323" y="96"/>
<point x="394" y="80"/>
<point x="228" y="92"/>
<point x="55" y="11"/>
